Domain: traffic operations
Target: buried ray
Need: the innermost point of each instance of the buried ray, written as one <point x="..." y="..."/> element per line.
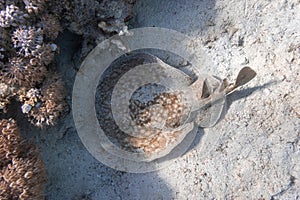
<point x="156" y="105"/>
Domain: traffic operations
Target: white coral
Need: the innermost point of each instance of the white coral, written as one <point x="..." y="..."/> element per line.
<point x="32" y="99"/>
<point x="11" y="16"/>
<point x="43" y="106"/>
<point x="27" y="39"/>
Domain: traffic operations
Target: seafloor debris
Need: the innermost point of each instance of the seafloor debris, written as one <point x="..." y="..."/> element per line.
<point x="22" y="172"/>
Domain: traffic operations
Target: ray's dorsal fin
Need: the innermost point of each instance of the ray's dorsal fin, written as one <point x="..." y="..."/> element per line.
<point x="205" y="90"/>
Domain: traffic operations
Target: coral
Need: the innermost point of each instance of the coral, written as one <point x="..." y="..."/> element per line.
<point x="6" y="93"/>
<point x="35" y="6"/>
<point x="51" y="26"/>
<point x="12" y="16"/>
<point x="44" y="106"/>
<point x="114" y="15"/>
<point x="9" y="139"/>
<point x="27" y="31"/>
<point x="22" y="172"/>
<point x="62" y="10"/>
<point x="5" y="44"/>
<point x="27" y="39"/>
<point x="43" y="54"/>
<point x="96" y="20"/>
<point x="22" y="72"/>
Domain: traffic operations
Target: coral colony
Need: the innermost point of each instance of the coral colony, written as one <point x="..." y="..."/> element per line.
<point x="22" y="172"/>
<point x="27" y="50"/>
<point x="28" y="29"/>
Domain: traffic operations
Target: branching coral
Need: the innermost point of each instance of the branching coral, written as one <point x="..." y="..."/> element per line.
<point x="51" y="26"/>
<point x="43" y="106"/>
<point x="44" y="54"/>
<point x="112" y="19"/>
<point x="35" y="6"/>
<point x="95" y="20"/>
<point x="5" y="44"/>
<point x="22" y="172"/>
<point x="9" y="140"/>
<point x="62" y="10"/>
<point x="22" y="72"/>
<point x="6" y="93"/>
<point x="26" y="49"/>
<point x="52" y="106"/>
<point x="27" y="39"/>
<point x="12" y="16"/>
